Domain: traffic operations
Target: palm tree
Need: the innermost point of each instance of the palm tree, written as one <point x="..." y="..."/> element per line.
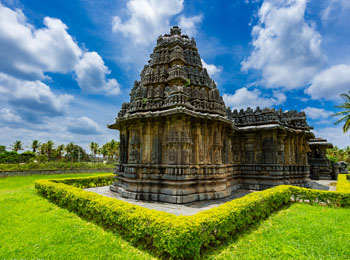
<point x="17" y="146"/>
<point x="59" y="152"/>
<point x="49" y="148"/>
<point x="345" y="114"/>
<point x="113" y="148"/>
<point x="94" y="148"/>
<point x="35" y="145"/>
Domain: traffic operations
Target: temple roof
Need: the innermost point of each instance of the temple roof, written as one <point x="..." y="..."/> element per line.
<point x="174" y="79"/>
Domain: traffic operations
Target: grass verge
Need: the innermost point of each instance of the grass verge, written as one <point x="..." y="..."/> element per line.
<point x="33" y="228"/>
<point x="301" y="231"/>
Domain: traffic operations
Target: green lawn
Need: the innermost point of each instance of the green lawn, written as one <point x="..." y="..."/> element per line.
<point x="299" y="232"/>
<point x="33" y="228"/>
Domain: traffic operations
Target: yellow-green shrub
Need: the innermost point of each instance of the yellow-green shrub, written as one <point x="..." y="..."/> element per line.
<point x="177" y="236"/>
<point x="343" y="184"/>
<point x="170" y="235"/>
<point x="321" y="197"/>
<point x="87" y="182"/>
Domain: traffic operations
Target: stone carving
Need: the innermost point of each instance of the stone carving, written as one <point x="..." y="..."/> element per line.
<point x="179" y="143"/>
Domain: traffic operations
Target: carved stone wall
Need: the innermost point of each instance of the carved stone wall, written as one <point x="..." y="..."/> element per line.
<point x="179" y="143"/>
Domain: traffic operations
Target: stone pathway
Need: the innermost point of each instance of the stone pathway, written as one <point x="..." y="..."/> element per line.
<point x="194" y="207"/>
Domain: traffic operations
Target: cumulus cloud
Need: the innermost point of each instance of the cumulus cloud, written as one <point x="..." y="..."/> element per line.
<point x="244" y="98"/>
<point x="335" y="135"/>
<point x="91" y="75"/>
<point x="32" y="100"/>
<point x="330" y="83"/>
<point x="148" y="19"/>
<point x="28" y="53"/>
<point x="287" y="49"/>
<point x="188" y="25"/>
<point x="83" y="126"/>
<point x="317" y="113"/>
<point x="9" y="116"/>
<point x="36" y="51"/>
<point x="212" y="69"/>
<point x="335" y="10"/>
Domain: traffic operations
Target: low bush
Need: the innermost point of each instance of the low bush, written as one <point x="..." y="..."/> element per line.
<point x="329" y="198"/>
<point x="87" y="182"/>
<point x="343" y="183"/>
<point x="178" y="236"/>
<point x="53" y="166"/>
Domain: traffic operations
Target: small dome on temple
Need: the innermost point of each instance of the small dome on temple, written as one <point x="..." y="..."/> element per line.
<point x="175" y="30"/>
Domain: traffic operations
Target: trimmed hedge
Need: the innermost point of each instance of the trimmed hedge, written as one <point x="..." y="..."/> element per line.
<point x="87" y="182"/>
<point x="321" y="197"/>
<point x="177" y="236"/>
<point x="343" y="183"/>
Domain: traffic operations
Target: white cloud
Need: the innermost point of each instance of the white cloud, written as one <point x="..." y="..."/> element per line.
<point x="28" y="53"/>
<point x="32" y="100"/>
<point x="244" y="98"/>
<point x="317" y="113"/>
<point x="9" y="116"/>
<point x="212" y="69"/>
<point x="148" y="19"/>
<point x="330" y="83"/>
<point x="91" y="75"/>
<point x="335" y="10"/>
<point x="188" y="25"/>
<point x="334" y="135"/>
<point x="36" y="51"/>
<point x="83" y="126"/>
<point x="287" y="49"/>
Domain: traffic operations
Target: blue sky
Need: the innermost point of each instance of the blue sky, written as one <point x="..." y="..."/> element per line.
<point x="67" y="66"/>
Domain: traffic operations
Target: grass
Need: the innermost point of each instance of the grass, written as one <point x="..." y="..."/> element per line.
<point x="299" y="232"/>
<point x="33" y="228"/>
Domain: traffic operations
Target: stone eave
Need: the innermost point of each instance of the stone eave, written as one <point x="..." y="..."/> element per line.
<point x="168" y="112"/>
<point x="271" y="127"/>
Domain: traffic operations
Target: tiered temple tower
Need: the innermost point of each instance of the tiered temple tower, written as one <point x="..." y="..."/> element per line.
<point x="179" y="143"/>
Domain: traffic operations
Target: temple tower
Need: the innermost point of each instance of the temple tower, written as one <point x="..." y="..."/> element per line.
<point x="174" y="131"/>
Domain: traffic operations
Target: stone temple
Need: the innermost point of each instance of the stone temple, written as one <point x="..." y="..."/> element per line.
<point x="179" y="143"/>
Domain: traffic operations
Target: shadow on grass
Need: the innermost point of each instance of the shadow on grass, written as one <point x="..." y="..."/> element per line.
<point x="213" y="250"/>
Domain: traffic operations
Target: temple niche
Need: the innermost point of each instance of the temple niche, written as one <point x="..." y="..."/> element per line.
<point x="179" y="143"/>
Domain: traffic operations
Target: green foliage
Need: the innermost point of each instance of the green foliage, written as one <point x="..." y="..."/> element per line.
<point x="44" y="165"/>
<point x="336" y="154"/>
<point x="345" y="115"/>
<point x="2" y="148"/>
<point x="17" y="146"/>
<point x="9" y="157"/>
<point x="343" y="184"/>
<point x="87" y="182"/>
<point x="329" y="198"/>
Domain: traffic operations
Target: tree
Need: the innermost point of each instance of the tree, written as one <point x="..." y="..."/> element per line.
<point x="2" y="148"/>
<point x="113" y="149"/>
<point x="345" y="114"/>
<point x="59" y="152"/>
<point x="94" y="148"/>
<point x="17" y="146"/>
<point x="104" y="150"/>
<point x="49" y="148"/>
<point x="35" y="145"/>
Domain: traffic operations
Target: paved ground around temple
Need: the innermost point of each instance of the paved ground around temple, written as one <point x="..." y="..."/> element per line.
<point x="195" y="207"/>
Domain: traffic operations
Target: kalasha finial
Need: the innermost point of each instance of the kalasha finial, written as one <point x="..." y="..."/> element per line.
<point x="175" y="31"/>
